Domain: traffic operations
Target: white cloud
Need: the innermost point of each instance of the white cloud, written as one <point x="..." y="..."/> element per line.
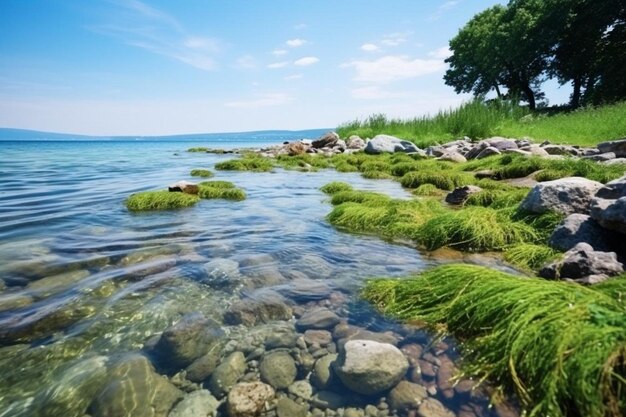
<point x="443" y="8"/>
<point x="246" y="62"/>
<point x="293" y="77"/>
<point x="395" y="39"/>
<point x="295" y="43"/>
<point x="306" y="61"/>
<point x="374" y="93"/>
<point x="137" y="24"/>
<point x="369" y="47"/>
<point x="276" y="65"/>
<point x="279" y="52"/>
<point x="440" y="53"/>
<point x="265" y="100"/>
<point x="392" y="68"/>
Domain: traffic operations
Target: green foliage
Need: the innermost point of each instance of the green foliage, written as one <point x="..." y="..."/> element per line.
<point x="497" y="198"/>
<point x="529" y="256"/>
<point x="355" y="196"/>
<point x="308" y="162"/>
<point x="220" y="189"/>
<point x="159" y="200"/>
<point x="246" y="163"/>
<point x="427" y="190"/>
<point x="441" y="179"/>
<point x="550" y="174"/>
<point x="345" y="167"/>
<point x="217" y="184"/>
<point x="376" y="175"/>
<point x="560" y="346"/>
<point x="475" y="229"/>
<point x="198" y="149"/>
<point x="205" y="173"/>
<point x="335" y="187"/>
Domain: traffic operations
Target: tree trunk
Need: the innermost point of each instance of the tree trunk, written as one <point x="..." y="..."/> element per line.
<point x="497" y="91"/>
<point x="530" y="96"/>
<point x="575" y="103"/>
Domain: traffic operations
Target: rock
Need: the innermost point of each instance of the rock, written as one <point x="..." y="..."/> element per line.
<point x="265" y="307"/>
<point x="445" y="375"/>
<point x="204" y="366"/>
<point x="613" y="190"/>
<point x="301" y="389"/>
<point x="54" y="284"/>
<point x="303" y="290"/>
<point x="295" y="148"/>
<point x="406" y="396"/>
<point x="70" y="392"/>
<point x="197" y="404"/>
<point x="135" y="389"/>
<point x="618" y="147"/>
<point x="286" y="407"/>
<point x="488" y="151"/>
<point x="227" y="374"/>
<point x="601" y="157"/>
<point x="188" y="339"/>
<point x="278" y="369"/>
<point x="13" y="301"/>
<point x="385" y="143"/>
<point x="368" y="367"/>
<point x="610" y="214"/>
<point x="565" y="196"/>
<point x="355" y="142"/>
<point x="578" y="228"/>
<point x="560" y="150"/>
<point x="327" y="140"/>
<point x="459" y="195"/>
<point x="452" y="156"/>
<point x="323" y="376"/>
<point x="433" y="408"/>
<point x="582" y="261"/>
<point x="615" y="161"/>
<point x="248" y="399"/>
<point x="501" y="144"/>
<point x="345" y="332"/>
<point x="537" y="150"/>
<point x="329" y="400"/>
<point x="222" y="274"/>
<point x="319" y="337"/>
<point x="281" y="338"/>
<point x="317" y="318"/>
<point x="183" y="187"/>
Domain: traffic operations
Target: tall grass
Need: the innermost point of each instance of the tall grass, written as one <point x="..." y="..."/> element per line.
<point x="479" y="120"/>
<point x="561" y="347"/>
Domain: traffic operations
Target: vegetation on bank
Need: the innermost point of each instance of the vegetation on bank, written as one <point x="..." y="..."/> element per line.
<point x="479" y="120"/>
<point x="561" y="347"/>
<point x="167" y="200"/>
<point x="204" y="173"/>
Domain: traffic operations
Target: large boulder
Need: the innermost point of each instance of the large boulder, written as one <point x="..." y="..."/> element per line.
<point x="578" y="228"/>
<point x="385" y="143"/>
<point x="565" y="196"/>
<point x="328" y="140"/>
<point x="296" y="148"/>
<point x="616" y="146"/>
<point x="609" y="206"/>
<point x="188" y="339"/>
<point x="355" y="142"/>
<point x="582" y="262"/>
<point x="135" y="389"/>
<point x="248" y="399"/>
<point x="459" y="195"/>
<point x="368" y="367"/>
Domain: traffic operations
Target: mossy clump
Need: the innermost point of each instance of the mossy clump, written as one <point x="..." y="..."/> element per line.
<point x="246" y="163"/>
<point x="344" y="166"/>
<point x="217" y="184"/>
<point x="335" y="187"/>
<point x="441" y="179"/>
<point x="198" y="149"/>
<point x="204" y="173"/>
<point x="308" y="162"/>
<point x="475" y="229"/>
<point x="159" y="200"/>
<point x="560" y="346"/>
<point x="376" y="175"/>
<point x="529" y="256"/>
<point x="220" y="189"/>
<point x="427" y="190"/>
<point x="403" y="168"/>
<point x="497" y="198"/>
<point x="356" y="196"/>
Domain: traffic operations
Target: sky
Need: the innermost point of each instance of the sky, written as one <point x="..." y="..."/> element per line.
<point x="156" y="67"/>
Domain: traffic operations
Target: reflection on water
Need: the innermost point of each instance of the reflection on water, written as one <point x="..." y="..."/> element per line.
<point x="85" y="282"/>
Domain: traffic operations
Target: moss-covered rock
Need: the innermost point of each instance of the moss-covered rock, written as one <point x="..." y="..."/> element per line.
<point x="160" y="200"/>
<point x="220" y="189"/>
<point x="204" y="173"/>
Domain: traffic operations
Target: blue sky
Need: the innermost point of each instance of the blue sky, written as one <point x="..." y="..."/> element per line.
<point x="148" y="67"/>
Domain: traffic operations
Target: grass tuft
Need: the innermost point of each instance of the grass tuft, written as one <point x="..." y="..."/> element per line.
<point x="561" y="347"/>
<point x="335" y="187"/>
<point x="205" y="173"/>
<point x="427" y="190"/>
<point x="246" y="163"/>
<point x="355" y="196"/>
<point x="217" y="184"/>
<point x="220" y="189"/>
<point x="529" y="256"/>
<point x="159" y="200"/>
<point x="441" y="179"/>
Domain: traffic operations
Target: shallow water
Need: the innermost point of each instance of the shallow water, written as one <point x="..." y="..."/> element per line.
<point x="86" y="279"/>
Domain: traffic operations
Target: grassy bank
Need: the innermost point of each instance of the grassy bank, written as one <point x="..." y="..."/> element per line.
<point x="585" y="127"/>
<point x="570" y="358"/>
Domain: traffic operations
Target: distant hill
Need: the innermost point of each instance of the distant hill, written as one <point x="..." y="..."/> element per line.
<point x="23" y="134"/>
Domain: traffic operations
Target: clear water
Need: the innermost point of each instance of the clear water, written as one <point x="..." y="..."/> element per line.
<point x="128" y="276"/>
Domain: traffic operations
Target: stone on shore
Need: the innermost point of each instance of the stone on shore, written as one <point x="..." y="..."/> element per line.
<point x="368" y="367"/>
<point x="389" y="144"/>
<point x="565" y="196"/>
<point x="609" y="206"/>
<point x="618" y="147"/>
<point x="328" y="140"/>
<point x="459" y="195"/>
<point x="248" y="399"/>
<point x="184" y="187"/>
<point x="355" y="142"/>
<point x="582" y="262"/>
<point x="577" y="228"/>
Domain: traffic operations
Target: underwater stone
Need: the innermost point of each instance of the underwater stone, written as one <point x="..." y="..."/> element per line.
<point x="278" y="369"/>
<point x="323" y="376"/>
<point x="227" y="374"/>
<point x="265" y="307"/>
<point x="197" y="404"/>
<point x="286" y="407"/>
<point x="247" y="399"/>
<point x="406" y="396"/>
<point x="317" y="318"/>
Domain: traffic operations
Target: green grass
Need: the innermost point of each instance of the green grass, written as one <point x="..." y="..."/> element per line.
<point x="441" y="179"/>
<point x="355" y="196"/>
<point x="205" y="173"/>
<point x="529" y="256"/>
<point x="198" y="149"/>
<point x="335" y="187"/>
<point x="220" y="189"/>
<point x="497" y="198"/>
<point x="477" y="120"/>
<point x="376" y="175"/>
<point x="246" y="163"/>
<point x="217" y="184"/>
<point x="159" y="200"/>
<point x="427" y="190"/>
<point x="561" y="347"/>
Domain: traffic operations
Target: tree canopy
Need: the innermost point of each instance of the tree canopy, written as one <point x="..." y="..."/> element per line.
<point x="517" y="47"/>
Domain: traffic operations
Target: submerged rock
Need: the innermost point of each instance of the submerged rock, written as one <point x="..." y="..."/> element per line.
<point x="368" y="367"/>
<point x="317" y="318"/>
<point x="278" y="369"/>
<point x="204" y="366"/>
<point x="323" y="376"/>
<point x="433" y="408"/>
<point x="197" y="404"/>
<point x="227" y="374"/>
<point x="407" y="396"/>
<point x="248" y="399"/>
<point x="286" y="407"/>
<point x="222" y="274"/>
<point x="135" y="390"/>
<point x="264" y="307"/>
<point x="564" y="196"/>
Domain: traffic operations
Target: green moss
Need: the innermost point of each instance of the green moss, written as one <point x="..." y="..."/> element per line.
<point x="198" y="149"/>
<point x="159" y="200"/>
<point x="235" y="194"/>
<point x="375" y="165"/>
<point x="247" y="163"/>
<point x="403" y="168"/>
<point x="217" y="184"/>
<point x="376" y="175"/>
<point x="355" y="196"/>
<point x="497" y="198"/>
<point x="560" y="346"/>
<point x="529" y="256"/>
<point x="345" y="167"/>
<point x="427" y="190"/>
<point x="205" y="173"/>
<point x="335" y="187"/>
<point x="550" y="175"/>
<point x="441" y="179"/>
<point x="309" y="162"/>
<point x="475" y="229"/>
